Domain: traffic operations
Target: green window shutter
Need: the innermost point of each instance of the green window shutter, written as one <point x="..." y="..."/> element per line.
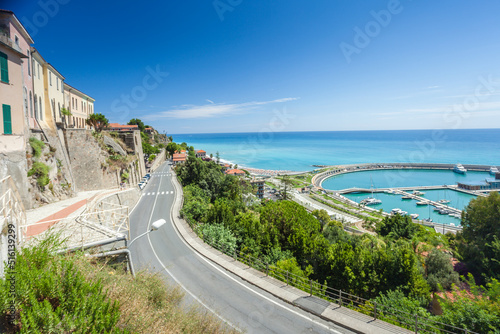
<point x="4" y="68"/>
<point x="7" y="120"/>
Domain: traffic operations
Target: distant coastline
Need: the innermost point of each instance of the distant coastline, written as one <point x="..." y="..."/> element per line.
<point x="300" y="151"/>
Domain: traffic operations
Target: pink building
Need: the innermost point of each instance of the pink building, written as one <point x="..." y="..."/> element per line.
<point x="16" y="87"/>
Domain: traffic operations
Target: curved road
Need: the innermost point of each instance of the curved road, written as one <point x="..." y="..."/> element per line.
<point x="239" y="304"/>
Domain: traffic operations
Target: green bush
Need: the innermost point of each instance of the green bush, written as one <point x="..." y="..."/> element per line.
<point x="37" y="146"/>
<point x="219" y="235"/>
<point x="152" y="157"/>
<point x="52" y="296"/>
<point x="440" y="270"/>
<point x="41" y="172"/>
<point x="125" y="176"/>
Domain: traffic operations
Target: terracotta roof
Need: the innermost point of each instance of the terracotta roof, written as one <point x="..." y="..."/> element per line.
<point x="235" y="172"/>
<point x="200" y="151"/>
<point x="118" y="125"/>
<point x="179" y="157"/>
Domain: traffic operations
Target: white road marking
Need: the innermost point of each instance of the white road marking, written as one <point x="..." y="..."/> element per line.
<point x="175" y="279"/>
<point x="236" y="281"/>
<point x="149" y="194"/>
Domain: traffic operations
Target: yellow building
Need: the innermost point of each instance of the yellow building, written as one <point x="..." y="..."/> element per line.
<point x="48" y="87"/>
<point x="80" y="104"/>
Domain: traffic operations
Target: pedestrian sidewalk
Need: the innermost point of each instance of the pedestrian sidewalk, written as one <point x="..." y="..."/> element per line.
<point x="54" y="212"/>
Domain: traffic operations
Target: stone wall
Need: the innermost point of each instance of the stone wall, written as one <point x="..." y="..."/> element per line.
<point x="128" y="197"/>
<point x="13" y="162"/>
<point x="160" y="158"/>
<point x="88" y="161"/>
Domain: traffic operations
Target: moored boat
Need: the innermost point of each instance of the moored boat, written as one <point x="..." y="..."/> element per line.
<point x="493" y="170"/>
<point x="422" y="203"/>
<point x="418" y="193"/>
<point x="459" y="169"/>
<point x="414" y="215"/>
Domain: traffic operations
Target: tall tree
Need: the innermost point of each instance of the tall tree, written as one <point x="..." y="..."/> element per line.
<point x="97" y="121"/>
<point x="286" y="186"/>
<point x="481" y="232"/>
<point x="138" y="122"/>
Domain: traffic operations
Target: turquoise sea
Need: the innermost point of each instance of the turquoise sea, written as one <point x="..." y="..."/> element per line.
<point x="298" y="151"/>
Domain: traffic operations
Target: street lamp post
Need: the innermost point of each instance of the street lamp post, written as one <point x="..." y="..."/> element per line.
<point x="156" y="225"/>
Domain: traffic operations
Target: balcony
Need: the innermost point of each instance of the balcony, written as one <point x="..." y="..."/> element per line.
<point x="4" y="38"/>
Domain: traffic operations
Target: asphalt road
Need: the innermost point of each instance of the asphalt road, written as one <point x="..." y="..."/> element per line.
<point x="239" y="304"/>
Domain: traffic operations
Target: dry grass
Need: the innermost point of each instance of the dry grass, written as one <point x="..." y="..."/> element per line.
<point x="147" y="303"/>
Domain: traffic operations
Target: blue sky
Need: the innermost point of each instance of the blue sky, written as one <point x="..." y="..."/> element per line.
<point x="246" y="66"/>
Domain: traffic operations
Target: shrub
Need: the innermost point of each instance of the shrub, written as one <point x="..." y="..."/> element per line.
<point x="440" y="270"/>
<point x="152" y="157"/>
<point x="41" y="172"/>
<point x="219" y="235"/>
<point x="52" y="296"/>
<point x="125" y="176"/>
<point x="37" y="146"/>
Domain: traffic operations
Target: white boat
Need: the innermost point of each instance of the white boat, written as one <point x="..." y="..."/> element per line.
<point x="444" y="212"/>
<point x="443" y="201"/>
<point x="418" y="193"/>
<point x="371" y="201"/>
<point x="406" y="197"/>
<point x="459" y="169"/>
<point x="493" y="170"/>
<point x="414" y="215"/>
<point x="423" y="203"/>
<point x="396" y="211"/>
<point x="427" y="220"/>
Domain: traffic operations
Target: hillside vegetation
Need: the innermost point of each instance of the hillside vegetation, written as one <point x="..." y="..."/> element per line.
<point x="71" y="293"/>
<point x="407" y="266"/>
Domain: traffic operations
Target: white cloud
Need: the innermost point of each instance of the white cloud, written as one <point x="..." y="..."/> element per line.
<point x="482" y="108"/>
<point x="212" y="109"/>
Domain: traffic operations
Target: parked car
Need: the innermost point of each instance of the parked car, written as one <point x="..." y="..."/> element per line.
<point x="141" y="185"/>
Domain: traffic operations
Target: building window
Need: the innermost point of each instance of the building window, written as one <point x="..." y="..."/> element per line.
<point x="4" y="68"/>
<point x="33" y="66"/>
<point x="31" y="104"/>
<point x="36" y="107"/>
<point x="73" y="101"/>
<point x="29" y="62"/>
<point x="16" y="40"/>
<point x="82" y="107"/>
<point x="50" y="78"/>
<point x="41" y="107"/>
<point x="38" y="71"/>
<point x="7" y="119"/>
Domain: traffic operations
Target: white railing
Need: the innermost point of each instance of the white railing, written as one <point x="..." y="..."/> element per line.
<point x="92" y="227"/>
<point x="12" y="217"/>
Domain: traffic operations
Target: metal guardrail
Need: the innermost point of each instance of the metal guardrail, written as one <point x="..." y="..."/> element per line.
<point x="340" y="298"/>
